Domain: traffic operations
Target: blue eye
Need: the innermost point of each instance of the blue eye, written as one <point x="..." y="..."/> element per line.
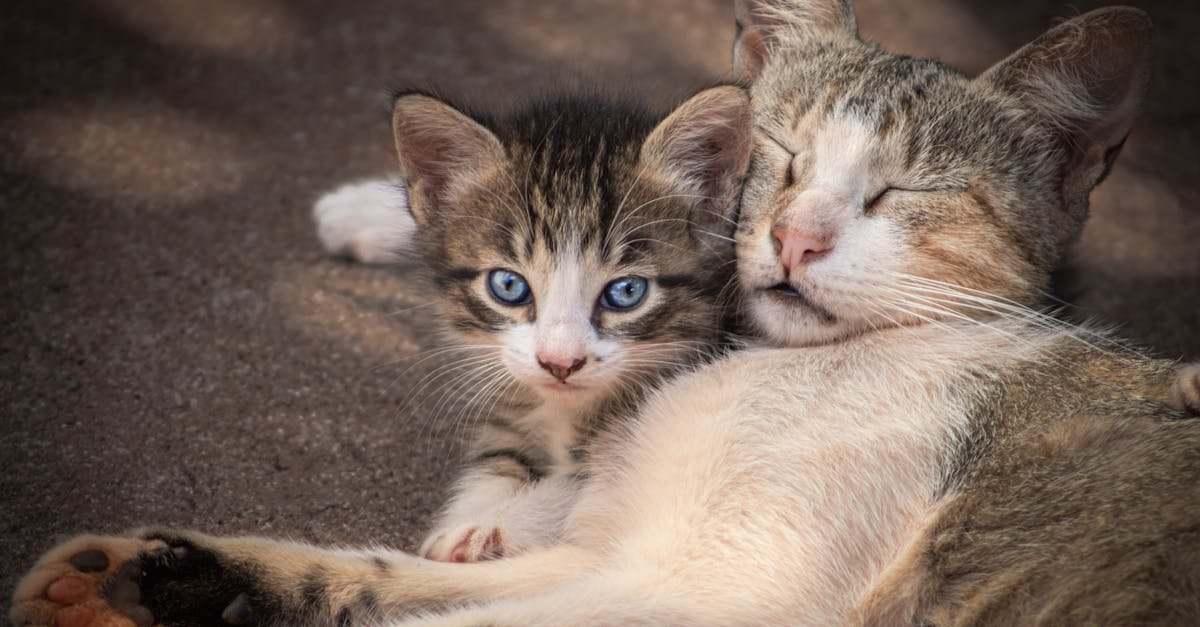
<point x="624" y="293"/>
<point x="509" y="288"/>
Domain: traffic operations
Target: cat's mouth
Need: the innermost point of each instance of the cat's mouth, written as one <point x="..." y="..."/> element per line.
<point x="789" y="295"/>
<point x="785" y="289"/>
<point x="561" y="387"/>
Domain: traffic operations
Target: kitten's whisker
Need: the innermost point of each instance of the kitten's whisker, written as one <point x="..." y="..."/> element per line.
<point x="455" y="364"/>
<point x="425" y="355"/>
<point x="720" y="237"/>
<point x="448" y="393"/>
<point x="409" y="309"/>
<point x="474" y="381"/>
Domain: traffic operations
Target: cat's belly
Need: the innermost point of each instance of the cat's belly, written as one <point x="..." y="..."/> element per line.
<point x="774" y="485"/>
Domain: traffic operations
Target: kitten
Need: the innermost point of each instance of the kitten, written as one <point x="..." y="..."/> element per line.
<point x="925" y="449"/>
<point x="567" y="285"/>
<point x="575" y="270"/>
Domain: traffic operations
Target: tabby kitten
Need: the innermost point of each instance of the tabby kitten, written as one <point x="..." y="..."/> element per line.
<point x="568" y="290"/>
<point x="578" y="258"/>
<point x="922" y="448"/>
<point x="580" y="250"/>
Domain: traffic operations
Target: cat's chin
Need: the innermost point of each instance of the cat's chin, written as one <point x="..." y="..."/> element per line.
<point x="791" y="318"/>
<point x="565" y="392"/>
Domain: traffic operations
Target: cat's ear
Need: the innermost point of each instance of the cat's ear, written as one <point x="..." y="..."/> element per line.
<point x="441" y="152"/>
<point x="702" y="150"/>
<point x="1088" y="77"/>
<point x="762" y="25"/>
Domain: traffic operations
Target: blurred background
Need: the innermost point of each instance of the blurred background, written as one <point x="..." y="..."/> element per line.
<point x="175" y="349"/>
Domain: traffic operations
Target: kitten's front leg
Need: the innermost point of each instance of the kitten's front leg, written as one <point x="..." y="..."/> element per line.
<point x="493" y="516"/>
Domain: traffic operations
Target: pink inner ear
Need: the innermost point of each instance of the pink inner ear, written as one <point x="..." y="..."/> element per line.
<point x="437" y="146"/>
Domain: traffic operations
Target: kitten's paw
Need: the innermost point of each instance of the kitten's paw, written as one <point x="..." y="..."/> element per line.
<point x="466" y="543"/>
<point x="1185" y="389"/>
<point x="88" y="581"/>
<point x="366" y="221"/>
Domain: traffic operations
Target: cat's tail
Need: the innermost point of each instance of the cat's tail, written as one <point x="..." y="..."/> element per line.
<point x="367" y="221"/>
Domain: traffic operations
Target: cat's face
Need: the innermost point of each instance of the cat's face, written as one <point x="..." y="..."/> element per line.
<point x="569" y="245"/>
<point x="890" y="191"/>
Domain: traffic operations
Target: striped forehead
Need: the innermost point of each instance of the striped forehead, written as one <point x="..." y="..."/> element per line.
<point x="861" y="82"/>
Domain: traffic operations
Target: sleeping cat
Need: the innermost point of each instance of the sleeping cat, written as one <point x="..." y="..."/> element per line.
<point x="925" y="450"/>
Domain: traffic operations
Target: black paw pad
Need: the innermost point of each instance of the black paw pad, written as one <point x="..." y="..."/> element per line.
<point x="92" y="561"/>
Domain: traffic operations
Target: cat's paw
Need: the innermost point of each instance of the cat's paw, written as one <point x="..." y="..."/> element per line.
<point x="367" y="221"/>
<point x="88" y="581"/>
<point x="136" y="581"/>
<point x="1185" y="389"/>
<point x="466" y="543"/>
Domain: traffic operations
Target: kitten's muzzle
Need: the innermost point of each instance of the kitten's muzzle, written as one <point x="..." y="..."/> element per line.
<point x="561" y="369"/>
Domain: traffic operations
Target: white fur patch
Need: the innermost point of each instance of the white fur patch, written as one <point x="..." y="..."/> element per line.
<point x="367" y="221"/>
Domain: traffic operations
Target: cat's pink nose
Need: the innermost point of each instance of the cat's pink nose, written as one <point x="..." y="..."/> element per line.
<point x="561" y="367"/>
<point x="797" y="248"/>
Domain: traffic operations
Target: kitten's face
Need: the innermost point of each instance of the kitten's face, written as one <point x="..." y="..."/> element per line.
<point x="574" y="254"/>
<point x="890" y="191"/>
<point x="580" y="291"/>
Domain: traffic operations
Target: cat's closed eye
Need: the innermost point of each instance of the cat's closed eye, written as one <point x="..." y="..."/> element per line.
<point x="875" y="199"/>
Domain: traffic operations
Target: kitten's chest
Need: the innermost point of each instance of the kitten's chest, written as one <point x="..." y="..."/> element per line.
<point x="557" y="430"/>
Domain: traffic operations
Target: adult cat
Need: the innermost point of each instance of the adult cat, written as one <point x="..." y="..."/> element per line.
<point x="927" y="451"/>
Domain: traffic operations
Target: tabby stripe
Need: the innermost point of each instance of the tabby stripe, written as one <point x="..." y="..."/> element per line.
<point x="535" y="471"/>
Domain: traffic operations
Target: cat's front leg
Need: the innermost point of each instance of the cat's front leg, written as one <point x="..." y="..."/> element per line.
<point x="492" y="516"/>
<point x="188" y="578"/>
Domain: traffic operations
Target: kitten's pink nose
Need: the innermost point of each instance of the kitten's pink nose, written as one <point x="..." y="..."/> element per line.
<point x="561" y="367"/>
<point x="797" y="248"/>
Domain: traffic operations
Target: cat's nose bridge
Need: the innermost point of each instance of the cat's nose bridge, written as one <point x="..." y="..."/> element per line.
<point x="818" y="212"/>
<point x="562" y="345"/>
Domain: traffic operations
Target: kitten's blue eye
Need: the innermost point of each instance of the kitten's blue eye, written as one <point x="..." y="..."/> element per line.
<point x="624" y="293"/>
<point x="509" y="288"/>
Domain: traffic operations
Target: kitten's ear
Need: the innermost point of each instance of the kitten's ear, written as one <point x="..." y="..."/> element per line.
<point x="762" y="25"/>
<point x="441" y="152"/>
<point x="1089" y="77"/>
<point x="703" y="150"/>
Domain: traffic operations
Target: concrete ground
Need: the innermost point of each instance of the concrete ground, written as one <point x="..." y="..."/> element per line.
<point x="175" y="349"/>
